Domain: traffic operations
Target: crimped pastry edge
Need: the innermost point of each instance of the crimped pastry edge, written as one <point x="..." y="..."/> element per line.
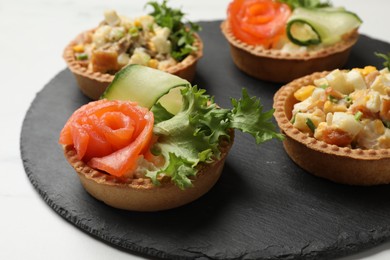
<point x="139" y="194"/>
<point x="277" y="66"/>
<point x="93" y="84"/>
<point x="339" y="164"/>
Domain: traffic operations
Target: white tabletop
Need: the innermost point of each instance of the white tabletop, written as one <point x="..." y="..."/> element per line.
<point x="33" y="35"/>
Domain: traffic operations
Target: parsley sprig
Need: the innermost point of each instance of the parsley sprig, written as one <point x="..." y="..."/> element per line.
<point x="182" y="36"/>
<point x="386" y="57"/>
<point x="306" y="3"/>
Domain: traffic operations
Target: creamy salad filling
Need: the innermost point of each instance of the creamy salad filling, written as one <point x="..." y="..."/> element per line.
<point x="286" y="46"/>
<point x="119" y="41"/>
<point x="346" y="108"/>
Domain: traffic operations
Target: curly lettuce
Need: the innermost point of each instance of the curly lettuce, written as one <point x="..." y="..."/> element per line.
<point x="306" y="3"/>
<point x="182" y="36"/>
<point x="193" y="135"/>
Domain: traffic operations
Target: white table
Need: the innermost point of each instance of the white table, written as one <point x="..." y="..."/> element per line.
<point x="33" y="35"/>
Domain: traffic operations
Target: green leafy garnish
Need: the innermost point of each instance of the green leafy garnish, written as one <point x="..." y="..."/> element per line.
<point x="160" y="113"/>
<point x="348" y="99"/>
<point x="194" y="135"/>
<point x="292" y="121"/>
<point x="386" y="57"/>
<point x="306" y="3"/>
<point x="247" y="116"/>
<point x="332" y="99"/>
<point x="82" y="56"/>
<point x="310" y="124"/>
<point x="182" y="37"/>
<point x="134" y="31"/>
<point x="358" y="115"/>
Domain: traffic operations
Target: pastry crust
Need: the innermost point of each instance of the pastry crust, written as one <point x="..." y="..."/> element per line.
<point x="276" y="66"/>
<point x="93" y="84"/>
<point x="140" y="194"/>
<point x="339" y="164"/>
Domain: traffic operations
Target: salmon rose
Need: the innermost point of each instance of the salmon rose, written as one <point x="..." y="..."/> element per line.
<point x="258" y="22"/>
<point x="109" y="135"/>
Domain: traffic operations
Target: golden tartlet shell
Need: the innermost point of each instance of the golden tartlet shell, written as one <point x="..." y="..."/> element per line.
<point x="139" y="194"/>
<point x="339" y="164"/>
<point x="276" y="66"/>
<point x="93" y="84"/>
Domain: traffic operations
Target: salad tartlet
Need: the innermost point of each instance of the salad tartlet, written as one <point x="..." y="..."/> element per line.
<point x="145" y="151"/>
<point x="337" y="124"/>
<point x="159" y="40"/>
<point x="281" y="40"/>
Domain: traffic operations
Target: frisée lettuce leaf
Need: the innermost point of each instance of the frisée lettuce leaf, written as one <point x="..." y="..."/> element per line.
<point x="193" y="135"/>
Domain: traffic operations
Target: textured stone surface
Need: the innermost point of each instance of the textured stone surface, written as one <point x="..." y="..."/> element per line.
<point x="264" y="206"/>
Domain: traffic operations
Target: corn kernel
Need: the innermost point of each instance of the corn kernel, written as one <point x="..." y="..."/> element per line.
<point x="153" y="63"/>
<point x="366" y="70"/>
<point x="137" y="23"/>
<point x="379" y="127"/>
<point x="330" y="107"/>
<point x="78" y="48"/>
<point x="384" y="141"/>
<point x="150" y="45"/>
<point x="304" y="92"/>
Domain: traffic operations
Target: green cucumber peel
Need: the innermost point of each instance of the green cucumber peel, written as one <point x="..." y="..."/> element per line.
<point x="330" y="24"/>
<point x="146" y="86"/>
<point x="307" y="42"/>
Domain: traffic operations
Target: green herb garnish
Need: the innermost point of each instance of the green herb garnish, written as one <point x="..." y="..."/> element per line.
<point x="134" y="31"/>
<point x="332" y="99"/>
<point x="82" y="56"/>
<point x="348" y="99"/>
<point x="310" y="124"/>
<point x="182" y="37"/>
<point x="292" y="121"/>
<point x="386" y="57"/>
<point x="193" y="135"/>
<point x="306" y="3"/>
<point x="358" y="116"/>
<point x="386" y="124"/>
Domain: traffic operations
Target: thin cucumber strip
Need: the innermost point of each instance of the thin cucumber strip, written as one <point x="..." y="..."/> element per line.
<point x="146" y="86"/>
<point x="302" y="33"/>
<point x="322" y="25"/>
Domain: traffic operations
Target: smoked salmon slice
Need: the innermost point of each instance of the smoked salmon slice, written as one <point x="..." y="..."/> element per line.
<point x="258" y="22"/>
<point x="109" y="135"/>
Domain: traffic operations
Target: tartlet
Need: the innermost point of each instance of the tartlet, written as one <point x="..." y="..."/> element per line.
<point x="93" y="84"/>
<point x="140" y="194"/>
<point x="96" y="55"/>
<point x="346" y="165"/>
<point x="133" y="154"/>
<point x="279" y="41"/>
<point x="276" y="66"/>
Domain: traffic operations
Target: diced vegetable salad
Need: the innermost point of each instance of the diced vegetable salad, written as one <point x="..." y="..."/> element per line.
<point x="347" y="108"/>
<point x="158" y="40"/>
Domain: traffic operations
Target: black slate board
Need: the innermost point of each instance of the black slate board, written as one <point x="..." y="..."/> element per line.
<point x="264" y="206"/>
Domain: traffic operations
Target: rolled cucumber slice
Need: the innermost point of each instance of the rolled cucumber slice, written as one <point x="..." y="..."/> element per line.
<point x="147" y="86"/>
<point x="321" y="25"/>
